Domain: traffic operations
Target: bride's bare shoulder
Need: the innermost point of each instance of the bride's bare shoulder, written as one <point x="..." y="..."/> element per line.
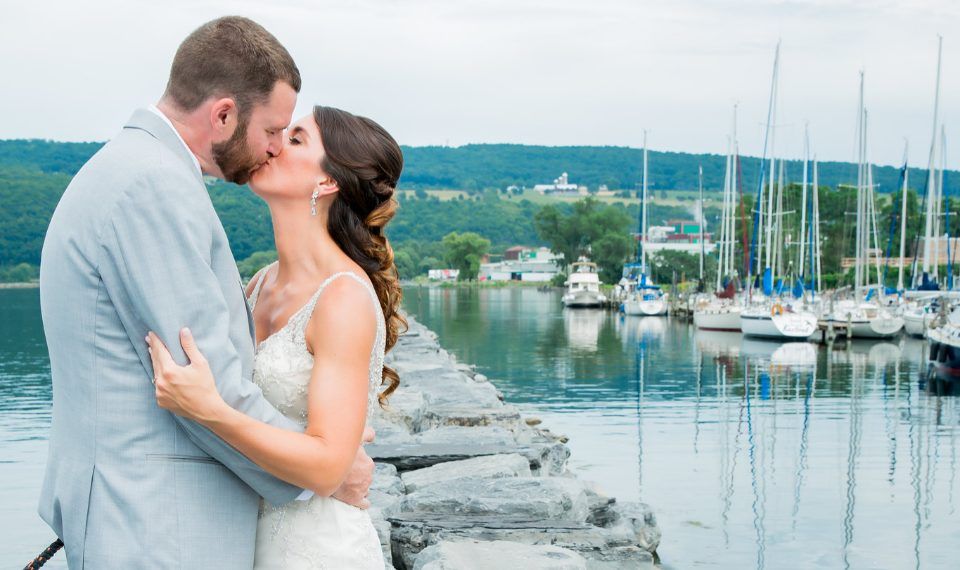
<point x="252" y="284"/>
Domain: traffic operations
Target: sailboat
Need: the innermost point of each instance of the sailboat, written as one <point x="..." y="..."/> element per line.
<point x="925" y="296"/>
<point x="768" y="314"/>
<point x="864" y="315"/>
<point x="722" y="311"/>
<point x="646" y="298"/>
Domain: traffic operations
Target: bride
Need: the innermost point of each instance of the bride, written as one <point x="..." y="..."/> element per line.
<point x="324" y="313"/>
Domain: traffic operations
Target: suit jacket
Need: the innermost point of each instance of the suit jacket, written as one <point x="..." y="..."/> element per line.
<point x="133" y="246"/>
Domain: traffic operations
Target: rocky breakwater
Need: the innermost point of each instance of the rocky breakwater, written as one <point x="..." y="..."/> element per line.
<point x="464" y="482"/>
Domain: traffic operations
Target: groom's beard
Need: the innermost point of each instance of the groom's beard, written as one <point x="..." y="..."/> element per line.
<point x="234" y="158"/>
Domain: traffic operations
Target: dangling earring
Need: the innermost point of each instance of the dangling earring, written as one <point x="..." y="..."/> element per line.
<point x="313" y="202"/>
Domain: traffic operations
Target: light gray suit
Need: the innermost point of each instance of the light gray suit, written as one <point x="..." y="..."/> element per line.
<point x="134" y="246"/>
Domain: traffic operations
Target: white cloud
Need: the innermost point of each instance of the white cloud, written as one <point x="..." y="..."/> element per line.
<point x="538" y="72"/>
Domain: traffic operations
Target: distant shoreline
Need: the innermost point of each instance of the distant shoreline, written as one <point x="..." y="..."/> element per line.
<point x="28" y="285"/>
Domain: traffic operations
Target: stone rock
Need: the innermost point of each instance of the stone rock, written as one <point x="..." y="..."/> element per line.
<point x="386" y="504"/>
<point x="606" y="549"/>
<point x="533" y="421"/>
<point x="602" y="508"/>
<point x="405" y="408"/>
<point x="386" y="480"/>
<point x="389" y="432"/>
<point x="497" y="555"/>
<point x="493" y="466"/>
<point x="548" y="459"/>
<point x="470" y="416"/>
<point x="483" y="435"/>
<point x="417" y="456"/>
<point x="383" y="532"/>
<point x="638" y="519"/>
<point x="532" y="498"/>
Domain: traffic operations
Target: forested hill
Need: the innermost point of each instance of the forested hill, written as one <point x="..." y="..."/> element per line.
<point x="480" y="166"/>
<point x="34" y="174"/>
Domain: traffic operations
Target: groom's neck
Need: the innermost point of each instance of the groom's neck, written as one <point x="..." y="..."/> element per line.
<point x="189" y="125"/>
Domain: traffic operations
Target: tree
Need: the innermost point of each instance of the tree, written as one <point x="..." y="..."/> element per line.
<point x="590" y="229"/>
<point x="249" y="266"/>
<point x="406" y="265"/>
<point x="609" y="252"/>
<point x="464" y="252"/>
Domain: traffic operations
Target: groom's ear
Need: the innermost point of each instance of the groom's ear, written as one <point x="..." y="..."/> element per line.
<point x="223" y="117"/>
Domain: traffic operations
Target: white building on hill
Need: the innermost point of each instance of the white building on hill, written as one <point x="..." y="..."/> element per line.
<point x="561" y="185"/>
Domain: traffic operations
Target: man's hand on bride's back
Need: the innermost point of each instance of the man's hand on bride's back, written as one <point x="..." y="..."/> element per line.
<point x="356" y="486"/>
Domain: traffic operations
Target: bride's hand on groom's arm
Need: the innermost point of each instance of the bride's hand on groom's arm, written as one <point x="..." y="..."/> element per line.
<point x="188" y="391"/>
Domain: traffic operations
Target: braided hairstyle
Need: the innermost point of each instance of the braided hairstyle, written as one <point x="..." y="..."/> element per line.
<point x="366" y="162"/>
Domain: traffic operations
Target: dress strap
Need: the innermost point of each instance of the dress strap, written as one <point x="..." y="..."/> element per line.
<point x="316" y="296"/>
<point x="256" y="288"/>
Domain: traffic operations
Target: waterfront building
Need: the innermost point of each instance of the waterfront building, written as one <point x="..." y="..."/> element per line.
<point x="522" y="263"/>
<point x="443" y="274"/>
<point x="678" y="235"/>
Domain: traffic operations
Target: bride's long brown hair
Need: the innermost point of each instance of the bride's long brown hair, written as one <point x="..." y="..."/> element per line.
<point x="366" y="163"/>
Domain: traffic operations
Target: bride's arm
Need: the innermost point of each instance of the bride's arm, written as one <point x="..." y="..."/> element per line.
<point x="341" y="334"/>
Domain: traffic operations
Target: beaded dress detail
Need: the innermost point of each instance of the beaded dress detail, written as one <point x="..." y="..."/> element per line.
<point x="322" y="532"/>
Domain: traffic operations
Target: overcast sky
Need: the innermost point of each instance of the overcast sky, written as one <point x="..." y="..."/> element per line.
<point x="551" y="72"/>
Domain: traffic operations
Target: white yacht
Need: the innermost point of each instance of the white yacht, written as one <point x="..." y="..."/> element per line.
<point x="583" y="286"/>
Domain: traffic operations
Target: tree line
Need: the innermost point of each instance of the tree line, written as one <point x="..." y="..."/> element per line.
<point x="33" y="175"/>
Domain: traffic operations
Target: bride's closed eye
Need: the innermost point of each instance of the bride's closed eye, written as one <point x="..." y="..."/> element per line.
<point x="294" y="141"/>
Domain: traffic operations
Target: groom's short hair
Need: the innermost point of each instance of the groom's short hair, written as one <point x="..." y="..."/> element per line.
<point x="229" y="57"/>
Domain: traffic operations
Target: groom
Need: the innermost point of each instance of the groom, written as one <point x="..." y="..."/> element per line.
<point x="134" y="246"/>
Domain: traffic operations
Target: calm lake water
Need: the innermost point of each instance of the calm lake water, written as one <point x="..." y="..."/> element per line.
<point x="753" y="455"/>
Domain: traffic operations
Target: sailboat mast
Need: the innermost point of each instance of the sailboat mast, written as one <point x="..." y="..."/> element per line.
<point x="931" y="165"/>
<point x="903" y="216"/>
<point x="755" y="249"/>
<point x="816" y="224"/>
<point x="703" y="220"/>
<point x="643" y="210"/>
<point x="803" y="199"/>
<point x="946" y="204"/>
<point x="858" y="270"/>
<point x="724" y="215"/>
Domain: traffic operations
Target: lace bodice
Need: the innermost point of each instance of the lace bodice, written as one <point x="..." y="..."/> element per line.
<point x="283" y="365"/>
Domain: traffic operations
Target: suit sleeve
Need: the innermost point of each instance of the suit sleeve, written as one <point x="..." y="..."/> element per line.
<point x="156" y="267"/>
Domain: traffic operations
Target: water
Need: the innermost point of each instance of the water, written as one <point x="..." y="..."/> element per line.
<point x="753" y="455"/>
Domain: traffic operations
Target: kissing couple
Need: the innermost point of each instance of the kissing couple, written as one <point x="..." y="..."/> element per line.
<point x="198" y="424"/>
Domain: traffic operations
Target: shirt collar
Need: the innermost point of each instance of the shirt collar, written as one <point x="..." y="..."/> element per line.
<point x="154" y="109"/>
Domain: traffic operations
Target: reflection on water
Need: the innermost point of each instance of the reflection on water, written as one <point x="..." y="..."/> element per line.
<point x="753" y="454"/>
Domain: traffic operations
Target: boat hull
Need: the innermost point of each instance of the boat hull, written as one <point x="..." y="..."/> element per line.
<point x="916" y="324"/>
<point x="786" y="326"/>
<point x="645" y="307"/>
<point x="583" y="299"/>
<point x="888" y="327"/>
<point x="945" y="352"/>
<point x="717" y="320"/>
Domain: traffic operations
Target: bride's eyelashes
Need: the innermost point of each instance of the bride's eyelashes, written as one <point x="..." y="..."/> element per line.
<point x="294" y="141"/>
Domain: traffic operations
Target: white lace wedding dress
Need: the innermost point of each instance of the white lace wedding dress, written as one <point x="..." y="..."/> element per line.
<point x="320" y="533"/>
